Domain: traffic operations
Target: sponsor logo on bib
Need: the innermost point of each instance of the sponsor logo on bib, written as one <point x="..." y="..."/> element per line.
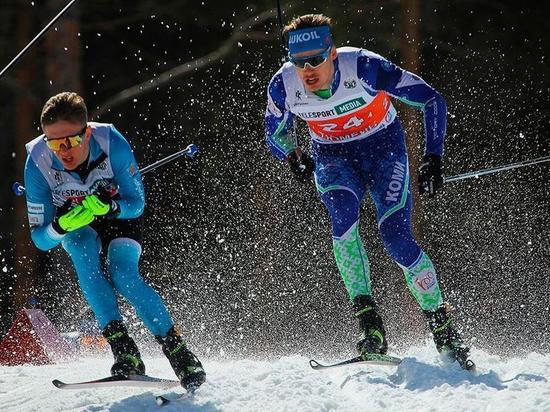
<point x="350" y="105"/>
<point x="353" y="118"/>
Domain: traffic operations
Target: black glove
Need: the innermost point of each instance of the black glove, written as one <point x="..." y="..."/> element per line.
<point x="302" y="167"/>
<point x="430" y="175"/>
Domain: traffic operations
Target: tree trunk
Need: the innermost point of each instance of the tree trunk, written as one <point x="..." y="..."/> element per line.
<point x="410" y="40"/>
<point x="25" y="265"/>
<point x="62" y="51"/>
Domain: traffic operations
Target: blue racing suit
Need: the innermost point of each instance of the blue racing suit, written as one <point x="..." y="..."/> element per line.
<point x="358" y="146"/>
<point x="110" y="164"/>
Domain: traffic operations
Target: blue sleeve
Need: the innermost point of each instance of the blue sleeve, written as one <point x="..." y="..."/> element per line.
<point x="380" y="74"/>
<point x="127" y="177"/>
<point x="40" y="208"/>
<point x="278" y="120"/>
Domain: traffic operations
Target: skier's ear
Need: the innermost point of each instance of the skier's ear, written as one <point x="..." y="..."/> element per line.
<point x="333" y="53"/>
<point x="88" y="134"/>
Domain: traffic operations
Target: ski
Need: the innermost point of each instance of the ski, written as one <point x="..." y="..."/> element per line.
<point x="138" y="381"/>
<point x="370" y="359"/>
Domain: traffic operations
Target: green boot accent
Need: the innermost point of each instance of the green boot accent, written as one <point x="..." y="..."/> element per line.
<point x="186" y="365"/>
<point x="127" y="358"/>
<point x="353" y="263"/>
<point x="373" y="334"/>
<point x="447" y="339"/>
<point x="422" y="282"/>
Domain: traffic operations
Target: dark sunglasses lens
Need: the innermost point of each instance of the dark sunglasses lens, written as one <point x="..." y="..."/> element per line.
<point x="312" y="61"/>
<point x="316" y="61"/>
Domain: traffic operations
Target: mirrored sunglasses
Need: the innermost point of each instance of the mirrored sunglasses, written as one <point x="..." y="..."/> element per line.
<point x="313" y="61"/>
<point x="67" y="141"/>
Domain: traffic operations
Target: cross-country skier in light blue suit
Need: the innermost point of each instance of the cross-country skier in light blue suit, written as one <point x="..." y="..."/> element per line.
<point x="84" y="191"/>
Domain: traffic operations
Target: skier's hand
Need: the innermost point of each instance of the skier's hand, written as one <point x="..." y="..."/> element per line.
<point x="101" y="204"/>
<point x="68" y="219"/>
<point x="430" y="175"/>
<point x="301" y="165"/>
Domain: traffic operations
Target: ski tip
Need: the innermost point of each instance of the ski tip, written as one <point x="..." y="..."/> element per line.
<point x="314" y="364"/>
<point x="58" y="384"/>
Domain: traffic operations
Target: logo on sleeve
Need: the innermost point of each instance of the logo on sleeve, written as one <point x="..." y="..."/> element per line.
<point x="36" y="219"/>
<point x="35" y="207"/>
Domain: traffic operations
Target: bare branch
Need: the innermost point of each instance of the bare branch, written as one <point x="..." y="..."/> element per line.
<point x="191" y="66"/>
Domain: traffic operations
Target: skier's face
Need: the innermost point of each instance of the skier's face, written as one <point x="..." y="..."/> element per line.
<point x="70" y="142"/>
<point x="318" y="77"/>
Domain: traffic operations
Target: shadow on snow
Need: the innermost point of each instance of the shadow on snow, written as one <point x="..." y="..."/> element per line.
<point x="146" y="401"/>
<point x="414" y="375"/>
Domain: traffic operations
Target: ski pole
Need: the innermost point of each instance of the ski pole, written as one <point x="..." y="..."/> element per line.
<point x="497" y="169"/>
<point x="190" y="151"/>
<point x="44" y="30"/>
<point x="280" y="18"/>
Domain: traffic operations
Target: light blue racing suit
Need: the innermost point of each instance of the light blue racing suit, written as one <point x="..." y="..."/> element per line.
<point x="111" y="165"/>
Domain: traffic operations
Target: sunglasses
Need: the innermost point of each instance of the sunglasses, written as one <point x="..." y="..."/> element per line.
<point x="313" y="61"/>
<point x="67" y="141"/>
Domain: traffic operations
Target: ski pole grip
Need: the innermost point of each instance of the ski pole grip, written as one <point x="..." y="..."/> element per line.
<point x="18" y="189"/>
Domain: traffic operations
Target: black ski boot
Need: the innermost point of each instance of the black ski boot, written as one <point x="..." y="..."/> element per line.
<point x="373" y="334"/>
<point x="447" y="339"/>
<point x="127" y="358"/>
<point x="187" y="367"/>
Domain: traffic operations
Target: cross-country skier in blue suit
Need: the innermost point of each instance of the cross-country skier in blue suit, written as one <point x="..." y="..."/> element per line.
<point x="84" y="191"/>
<point x="344" y="96"/>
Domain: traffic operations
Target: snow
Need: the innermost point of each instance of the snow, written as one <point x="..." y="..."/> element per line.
<point x="423" y="382"/>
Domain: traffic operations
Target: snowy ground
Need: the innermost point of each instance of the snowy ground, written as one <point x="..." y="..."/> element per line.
<point x="421" y="383"/>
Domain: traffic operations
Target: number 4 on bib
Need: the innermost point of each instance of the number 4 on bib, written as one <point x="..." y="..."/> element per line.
<point x="353" y="122"/>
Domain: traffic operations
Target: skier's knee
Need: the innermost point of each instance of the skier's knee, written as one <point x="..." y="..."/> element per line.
<point x="343" y="207"/>
<point x="122" y="260"/>
<point x="400" y="244"/>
